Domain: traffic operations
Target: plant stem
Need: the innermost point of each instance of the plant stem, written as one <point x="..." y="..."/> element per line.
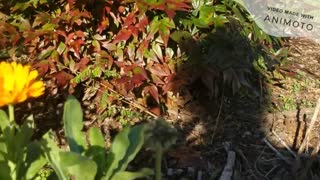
<point x="11" y="113"/>
<point x="159" y="152"/>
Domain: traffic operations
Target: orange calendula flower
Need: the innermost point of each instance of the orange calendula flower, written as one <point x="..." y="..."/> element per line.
<point x="18" y="83"/>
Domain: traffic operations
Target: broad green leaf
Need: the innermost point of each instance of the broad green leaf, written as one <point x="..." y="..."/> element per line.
<point x="145" y="172"/>
<point x="5" y="172"/>
<point x="72" y="119"/>
<point x="178" y="36"/>
<point x="117" y="153"/>
<point x="3" y="149"/>
<point x="52" y="155"/>
<point x="21" y="140"/>
<point x="35" y="160"/>
<point x="96" y="138"/>
<point x="61" y="48"/>
<point x="49" y="27"/>
<point x="97" y="150"/>
<point x="21" y="6"/>
<point x="4" y="120"/>
<point x="165" y="26"/>
<point x="220" y="8"/>
<point x="46" y="53"/>
<point x="81" y="167"/>
<point x="138" y="135"/>
<point x="125" y="147"/>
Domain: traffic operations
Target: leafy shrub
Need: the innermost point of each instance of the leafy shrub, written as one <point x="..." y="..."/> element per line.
<point x="92" y="161"/>
<point x="132" y="49"/>
<point x="20" y="157"/>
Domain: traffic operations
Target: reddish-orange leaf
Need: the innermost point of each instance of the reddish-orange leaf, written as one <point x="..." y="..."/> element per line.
<point x="42" y="67"/>
<point x="153" y="90"/>
<point x="82" y="64"/>
<point x="134" y="30"/>
<point x="156" y="111"/>
<point x="130" y="19"/>
<point x="62" y="78"/>
<point x="80" y="34"/>
<point x="143" y="24"/>
<point x="160" y="70"/>
<point x="123" y="35"/>
<point x="141" y="71"/>
<point x="70" y="37"/>
<point x="137" y="79"/>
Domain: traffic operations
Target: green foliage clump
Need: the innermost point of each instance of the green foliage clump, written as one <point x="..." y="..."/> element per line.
<point x="92" y="160"/>
<point x="87" y="156"/>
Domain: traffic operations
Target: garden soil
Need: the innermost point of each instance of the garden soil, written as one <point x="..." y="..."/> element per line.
<point x="263" y="132"/>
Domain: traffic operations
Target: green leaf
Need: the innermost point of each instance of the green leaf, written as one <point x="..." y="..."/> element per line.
<point x="81" y="167"/>
<point x="52" y="155"/>
<point x="61" y="48"/>
<point x="72" y="119"/>
<point x="35" y="160"/>
<point x="4" y="120"/>
<point x="96" y="138"/>
<point x="220" y="8"/>
<point x="21" y="140"/>
<point x="137" y="137"/>
<point x="178" y="36"/>
<point x="97" y="71"/>
<point x="97" y="150"/>
<point x="165" y="26"/>
<point x="124" y="148"/>
<point x="206" y="17"/>
<point x="5" y="172"/>
<point x="46" y="53"/>
<point x="21" y="6"/>
<point x="98" y="154"/>
<point x="118" y="151"/>
<point x="145" y="172"/>
<point x="49" y="27"/>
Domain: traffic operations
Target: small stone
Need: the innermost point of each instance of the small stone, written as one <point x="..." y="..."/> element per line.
<point x="191" y="171"/>
<point x="178" y="171"/>
<point x="247" y="133"/>
<point x="170" y="172"/>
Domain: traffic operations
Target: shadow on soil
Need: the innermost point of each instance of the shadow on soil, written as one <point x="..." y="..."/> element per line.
<point x="224" y="105"/>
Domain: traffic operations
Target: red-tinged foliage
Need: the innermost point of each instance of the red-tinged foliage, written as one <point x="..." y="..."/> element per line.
<point x="123" y="35"/>
<point x="122" y="43"/>
<point x="8" y="35"/>
<point x="153" y="90"/>
<point x="61" y="78"/>
<point x="169" y="6"/>
<point x="82" y="64"/>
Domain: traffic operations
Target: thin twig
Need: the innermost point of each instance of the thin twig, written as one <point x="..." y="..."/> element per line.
<point x="246" y="162"/>
<point x="217" y="119"/>
<point x="284" y="143"/>
<point x="276" y="151"/>
<point x="312" y="123"/>
<point x="125" y="100"/>
<point x="256" y="164"/>
<point x="272" y="169"/>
